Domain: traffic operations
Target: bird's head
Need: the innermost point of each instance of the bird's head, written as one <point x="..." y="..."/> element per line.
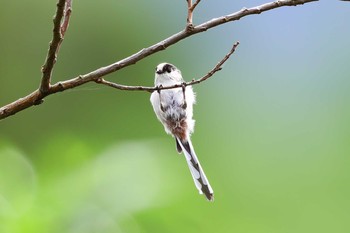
<point x="167" y="73"/>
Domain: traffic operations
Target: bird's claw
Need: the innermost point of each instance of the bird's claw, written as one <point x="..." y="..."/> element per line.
<point x="159" y="88"/>
<point x="184" y="105"/>
<point x="160" y="99"/>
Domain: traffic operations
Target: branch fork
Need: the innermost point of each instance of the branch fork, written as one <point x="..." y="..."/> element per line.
<point x="61" y="22"/>
<point x="190" y="8"/>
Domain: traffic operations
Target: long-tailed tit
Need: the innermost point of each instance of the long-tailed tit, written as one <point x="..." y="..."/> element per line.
<point x="174" y="109"/>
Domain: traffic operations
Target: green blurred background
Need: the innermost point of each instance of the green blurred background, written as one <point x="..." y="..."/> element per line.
<point x="272" y="128"/>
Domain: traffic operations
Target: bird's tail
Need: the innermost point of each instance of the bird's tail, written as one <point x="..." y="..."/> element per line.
<point x="196" y="170"/>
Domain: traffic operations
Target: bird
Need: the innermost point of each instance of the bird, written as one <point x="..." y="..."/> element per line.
<point x="174" y="109"/>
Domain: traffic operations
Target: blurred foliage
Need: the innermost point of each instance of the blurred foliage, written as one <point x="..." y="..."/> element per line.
<point x="272" y="127"/>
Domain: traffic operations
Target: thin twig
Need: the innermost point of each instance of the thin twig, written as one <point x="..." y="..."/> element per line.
<point x="63" y="13"/>
<point x="217" y="68"/>
<point x="67" y="14"/>
<point x="195" y="5"/>
<point x="37" y="95"/>
<point x="65" y="23"/>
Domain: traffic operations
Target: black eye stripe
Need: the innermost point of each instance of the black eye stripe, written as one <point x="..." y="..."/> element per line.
<point x="167" y="68"/>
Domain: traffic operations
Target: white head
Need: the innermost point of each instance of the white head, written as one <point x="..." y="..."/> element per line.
<point x="167" y="73"/>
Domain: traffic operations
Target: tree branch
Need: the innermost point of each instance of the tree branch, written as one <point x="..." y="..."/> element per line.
<point x="36" y="97"/>
<point x="63" y="13"/>
<point x="217" y="68"/>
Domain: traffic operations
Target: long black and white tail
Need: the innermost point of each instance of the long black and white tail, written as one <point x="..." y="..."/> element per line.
<point x="199" y="178"/>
